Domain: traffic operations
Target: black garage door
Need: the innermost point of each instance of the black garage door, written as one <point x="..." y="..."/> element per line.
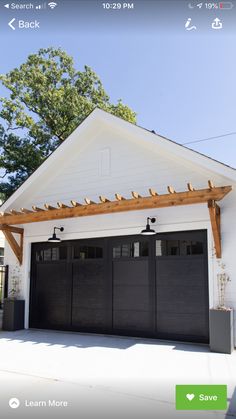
<point x="153" y="286"/>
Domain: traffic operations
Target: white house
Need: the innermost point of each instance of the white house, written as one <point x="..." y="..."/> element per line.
<point x="104" y="276"/>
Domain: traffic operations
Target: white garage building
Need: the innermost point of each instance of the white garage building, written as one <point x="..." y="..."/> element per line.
<point x="104" y="276"/>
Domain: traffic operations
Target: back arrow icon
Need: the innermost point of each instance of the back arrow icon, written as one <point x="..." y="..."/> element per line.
<point x="10" y="24"/>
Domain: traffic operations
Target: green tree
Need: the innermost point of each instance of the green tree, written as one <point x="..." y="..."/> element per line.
<point x="48" y="98"/>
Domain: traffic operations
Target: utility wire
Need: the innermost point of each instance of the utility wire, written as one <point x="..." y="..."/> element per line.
<point x="209" y="138"/>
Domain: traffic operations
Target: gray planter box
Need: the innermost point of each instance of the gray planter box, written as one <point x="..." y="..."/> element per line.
<point x="221" y="331"/>
<point x="13" y="314"/>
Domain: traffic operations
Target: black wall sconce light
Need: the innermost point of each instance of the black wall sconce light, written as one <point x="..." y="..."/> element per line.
<point x="54" y="238"/>
<point x="148" y="231"/>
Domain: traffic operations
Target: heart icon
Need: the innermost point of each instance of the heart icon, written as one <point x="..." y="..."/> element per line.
<point x="190" y="396"/>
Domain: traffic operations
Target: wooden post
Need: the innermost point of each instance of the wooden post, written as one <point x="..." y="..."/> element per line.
<point x="214" y="211"/>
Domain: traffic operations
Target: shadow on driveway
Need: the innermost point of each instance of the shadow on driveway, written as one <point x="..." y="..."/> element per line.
<point x="83" y="340"/>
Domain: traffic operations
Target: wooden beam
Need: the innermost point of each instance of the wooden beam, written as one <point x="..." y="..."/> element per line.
<point x="161" y="201"/>
<point x="16" y="248"/>
<point x="214" y="211"/>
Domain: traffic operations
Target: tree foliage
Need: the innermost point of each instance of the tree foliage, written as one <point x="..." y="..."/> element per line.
<point x="48" y="98"/>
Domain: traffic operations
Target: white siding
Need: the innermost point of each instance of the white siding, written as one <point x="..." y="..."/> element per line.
<point x="2" y="241"/>
<point x="228" y="230"/>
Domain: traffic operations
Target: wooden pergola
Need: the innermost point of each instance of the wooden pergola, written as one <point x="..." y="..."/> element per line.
<point x="209" y="196"/>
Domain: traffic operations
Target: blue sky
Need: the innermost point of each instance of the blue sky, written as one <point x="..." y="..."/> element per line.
<point x="181" y="84"/>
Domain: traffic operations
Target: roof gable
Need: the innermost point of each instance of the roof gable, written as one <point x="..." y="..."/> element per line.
<point x="80" y="139"/>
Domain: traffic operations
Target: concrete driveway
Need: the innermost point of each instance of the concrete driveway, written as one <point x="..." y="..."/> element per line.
<point x="106" y="376"/>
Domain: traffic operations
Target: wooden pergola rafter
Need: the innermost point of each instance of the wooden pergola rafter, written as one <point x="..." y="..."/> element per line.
<point x="192" y="196"/>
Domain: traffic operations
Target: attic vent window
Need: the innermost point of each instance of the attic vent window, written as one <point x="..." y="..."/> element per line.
<point x="105" y="162"/>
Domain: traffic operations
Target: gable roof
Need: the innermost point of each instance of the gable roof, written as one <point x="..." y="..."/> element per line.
<point x="141" y="134"/>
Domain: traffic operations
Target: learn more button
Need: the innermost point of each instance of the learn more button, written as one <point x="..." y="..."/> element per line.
<point x="201" y="397"/>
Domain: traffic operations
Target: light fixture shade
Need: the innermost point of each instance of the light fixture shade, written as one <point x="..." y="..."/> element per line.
<point x="148" y="231"/>
<point x="54" y="238"/>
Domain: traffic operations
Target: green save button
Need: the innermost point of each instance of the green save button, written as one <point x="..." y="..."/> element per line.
<point x="201" y="397"/>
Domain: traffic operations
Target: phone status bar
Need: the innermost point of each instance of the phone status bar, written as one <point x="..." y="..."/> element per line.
<point x="140" y="15"/>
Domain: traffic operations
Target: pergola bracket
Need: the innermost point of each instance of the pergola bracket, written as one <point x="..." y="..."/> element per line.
<point x="214" y="211"/>
<point x="16" y="248"/>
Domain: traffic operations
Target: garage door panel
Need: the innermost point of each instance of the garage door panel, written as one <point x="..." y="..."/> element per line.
<point x="182" y="280"/>
<point x="152" y="286"/>
<point x="88" y="298"/>
<point x="180" y="306"/>
<point x="89" y="286"/>
<point x="91" y="295"/>
<point x="127" y="296"/>
<point x="53" y="295"/>
<point x="89" y="272"/>
<point x="130" y="272"/>
<point x="90" y="318"/>
<point x="168" y="288"/>
<point x="190" y="325"/>
<point x="182" y="287"/>
<point x="136" y="320"/>
<point x="179" y="266"/>
<point x="188" y="298"/>
<point x="132" y="295"/>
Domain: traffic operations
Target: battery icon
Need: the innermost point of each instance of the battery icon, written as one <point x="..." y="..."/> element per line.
<point x="226" y="5"/>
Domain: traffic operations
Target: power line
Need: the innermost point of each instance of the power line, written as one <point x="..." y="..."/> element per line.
<point x="209" y="138"/>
